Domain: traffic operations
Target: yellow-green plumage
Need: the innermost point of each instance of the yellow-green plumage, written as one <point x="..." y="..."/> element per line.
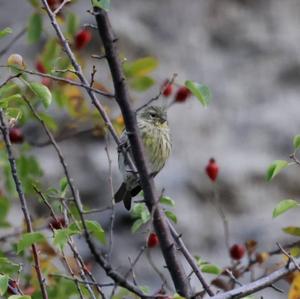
<point x="154" y="130"/>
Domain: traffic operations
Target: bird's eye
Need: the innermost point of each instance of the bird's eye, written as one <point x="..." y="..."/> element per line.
<point x="152" y="115"/>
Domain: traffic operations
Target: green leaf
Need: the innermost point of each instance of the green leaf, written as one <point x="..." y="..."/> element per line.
<point x="104" y="4"/>
<point x="145" y="216"/>
<point x="4" y="207"/>
<point x="42" y="92"/>
<point x="5" y="32"/>
<point x="15" y="97"/>
<point x="171" y="216"/>
<point x="141" y="84"/>
<point x="3" y="284"/>
<point x="63" y="186"/>
<point x="136" y="225"/>
<point x="9" y="90"/>
<point x="138" y="209"/>
<point x="95" y="229"/>
<point x="61" y="236"/>
<point x="296" y="142"/>
<point x="8" y="267"/>
<point x="200" y="91"/>
<point x="19" y="297"/>
<point x="211" y="269"/>
<point x="166" y="200"/>
<point x="72" y="24"/>
<point x="295" y="251"/>
<point x="140" y="67"/>
<point x="35" y="28"/>
<point x="275" y="168"/>
<point x="284" y="206"/>
<point x="15" y="113"/>
<point x="292" y="230"/>
<point x="29" y="239"/>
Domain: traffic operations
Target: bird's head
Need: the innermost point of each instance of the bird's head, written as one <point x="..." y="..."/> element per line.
<point x="155" y="115"/>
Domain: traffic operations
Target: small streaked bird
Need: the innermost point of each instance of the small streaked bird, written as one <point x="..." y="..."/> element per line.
<point x="154" y="131"/>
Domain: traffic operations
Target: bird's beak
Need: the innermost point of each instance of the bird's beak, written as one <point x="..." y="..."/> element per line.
<point x="163" y="120"/>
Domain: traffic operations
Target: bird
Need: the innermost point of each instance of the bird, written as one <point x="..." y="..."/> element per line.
<point x="155" y="134"/>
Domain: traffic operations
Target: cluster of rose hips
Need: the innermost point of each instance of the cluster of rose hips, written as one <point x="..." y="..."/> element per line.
<point x="181" y="95"/>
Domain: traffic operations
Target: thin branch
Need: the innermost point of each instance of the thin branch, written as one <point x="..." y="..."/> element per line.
<point x="71" y="244"/>
<point x="257" y="285"/>
<point x="11" y="43"/>
<point x="290" y="257"/>
<point x="122" y="97"/>
<point x="61" y="6"/>
<point x="80" y="281"/>
<point x="217" y="204"/>
<point x="112" y="215"/>
<point x="61" y="137"/>
<point x="94" y="211"/>
<point x="13" y="167"/>
<point x="157" y="270"/>
<point x="10" y="78"/>
<point x="190" y="259"/>
<point x="94" y="71"/>
<point x="64" y="80"/>
<point x="171" y="81"/>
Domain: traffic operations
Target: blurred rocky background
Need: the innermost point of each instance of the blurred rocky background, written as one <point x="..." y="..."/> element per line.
<point x="247" y="52"/>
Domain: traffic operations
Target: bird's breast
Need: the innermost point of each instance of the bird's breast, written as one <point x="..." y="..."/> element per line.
<point x="157" y="145"/>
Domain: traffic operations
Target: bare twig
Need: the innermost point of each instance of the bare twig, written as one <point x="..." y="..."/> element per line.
<point x="13" y="167"/>
<point x="60" y="7"/>
<point x="93" y="76"/>
<point x="112" y="215"/>
<point x="10" y="78"/>
<point x="289" y="256"/>
<point x="99" y="57"/>
<point x="76" y="255"/>
<point x="257" y="285"/>
<point x="190" y="259"/>
<point x="171" y="81"/>
<point x="64" y="80"/>
<point x="80" y="281"/>
<point x="157" y="270"/>
<point x="94" y="211"/>
<point x="11" y="43"/>
<point x="217" y="204"/>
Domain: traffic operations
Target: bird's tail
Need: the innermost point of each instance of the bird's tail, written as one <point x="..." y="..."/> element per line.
<point x="123" y="195"/>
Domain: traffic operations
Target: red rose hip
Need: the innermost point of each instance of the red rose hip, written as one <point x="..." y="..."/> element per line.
<point x="82" y="38"/>
<point x="182" y="94"/>
<point x="237" y="251"/>
<point x="152" y="240"/>
<point x="167" y="88"/>
<point x="40" y="67"/>
<point x="16" y="135"/>
<point x="57" y="223"/>
<point x="212" y="169"/>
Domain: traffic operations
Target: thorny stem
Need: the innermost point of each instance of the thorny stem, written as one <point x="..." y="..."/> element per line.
<point x="122" y="97"/>
<point x="19" y="188"/>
